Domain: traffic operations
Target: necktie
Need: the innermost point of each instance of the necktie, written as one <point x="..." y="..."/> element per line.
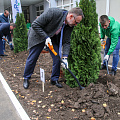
<point x="60" y="44"/>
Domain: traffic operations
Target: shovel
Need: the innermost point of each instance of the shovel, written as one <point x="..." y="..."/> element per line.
<point x="103" y="45"/>
<point x="6" y="40"/>
<point x="55" y="53"/>
<point x="107" y="66"/>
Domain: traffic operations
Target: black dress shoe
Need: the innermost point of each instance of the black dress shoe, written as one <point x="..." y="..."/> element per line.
<point x="56" y="83"/>
<point x="26" y="83"/>
<point x="113" y="72"/>
<point x="3" y="55"/>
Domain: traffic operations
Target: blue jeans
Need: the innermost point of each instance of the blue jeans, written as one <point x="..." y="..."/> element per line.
<point x="115" y="53"/>
<point x="33" y="56"/>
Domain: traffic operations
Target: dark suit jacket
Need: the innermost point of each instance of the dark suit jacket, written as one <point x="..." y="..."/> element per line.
<point x="5" y="30"/>
<point x="4" y="19"/>
<point x="46" y="25"/>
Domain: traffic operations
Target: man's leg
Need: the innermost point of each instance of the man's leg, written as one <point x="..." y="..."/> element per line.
<point x="115" y="58"/>
<point x="56" y="66"/>
<point x="4" y="45"/>
<point x="31" y="62"/>
<point x="1" y="47"/>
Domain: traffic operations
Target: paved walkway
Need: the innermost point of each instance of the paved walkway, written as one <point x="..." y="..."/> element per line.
<point x="10" y="108"/>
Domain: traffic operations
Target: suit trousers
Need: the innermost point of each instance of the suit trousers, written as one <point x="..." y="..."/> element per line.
<point x="1" y="47"/>
<point x="33" y="56"/>
<point x="115" y="53"/>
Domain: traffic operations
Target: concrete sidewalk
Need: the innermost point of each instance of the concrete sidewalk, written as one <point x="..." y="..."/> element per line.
<point x="10" y="108"/>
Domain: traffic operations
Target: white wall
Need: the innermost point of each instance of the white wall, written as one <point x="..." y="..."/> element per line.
<point x="1" y="6"/>
<point x="46" y="5"/>
<point x="32" y="13"/>
<point x="53" y="3"/>
<point x="114" y="9"/>
<point x="100" y="7"/>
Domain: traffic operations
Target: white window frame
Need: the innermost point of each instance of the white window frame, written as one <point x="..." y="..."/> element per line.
<point x="70" y="5"/>
<point x="38" y="5"/>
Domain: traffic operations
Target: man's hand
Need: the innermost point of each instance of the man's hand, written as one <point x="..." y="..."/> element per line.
<point x="106" y="57"/>
<point x="102" y="41"/>
<point x="48" y="40"/>
<point x="3" y="37"/>
<point x="66" y="62"/>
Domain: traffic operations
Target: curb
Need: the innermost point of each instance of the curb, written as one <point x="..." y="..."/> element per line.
<point x="111" y="66"/>
<point x="14" y="100"/>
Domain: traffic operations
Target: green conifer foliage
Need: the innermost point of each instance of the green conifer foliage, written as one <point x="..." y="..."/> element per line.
<point x="84" y="58"/>
<point x="20" y="34"/>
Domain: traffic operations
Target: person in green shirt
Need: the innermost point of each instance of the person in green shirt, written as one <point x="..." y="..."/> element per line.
<point x="28" y="25"/>
<point x="110" y="28"/>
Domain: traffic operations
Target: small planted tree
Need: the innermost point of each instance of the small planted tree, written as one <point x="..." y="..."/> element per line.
<point x="20" y="34"/>
<point x="84" y="58"/>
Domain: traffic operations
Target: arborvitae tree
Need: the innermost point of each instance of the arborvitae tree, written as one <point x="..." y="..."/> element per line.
<point x="84" y="58"/>
<point x="20" y="34"/>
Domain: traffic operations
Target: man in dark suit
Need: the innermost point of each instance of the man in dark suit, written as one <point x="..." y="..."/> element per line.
<point x="5" y="30"/>
<point x="4" y="18"/>
<point x="46" y="29"/>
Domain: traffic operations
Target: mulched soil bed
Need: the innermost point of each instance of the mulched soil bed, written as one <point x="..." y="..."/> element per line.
<point x="100" y="100"/>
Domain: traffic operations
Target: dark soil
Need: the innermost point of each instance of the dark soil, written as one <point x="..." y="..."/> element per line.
<point x="100" y="100"/>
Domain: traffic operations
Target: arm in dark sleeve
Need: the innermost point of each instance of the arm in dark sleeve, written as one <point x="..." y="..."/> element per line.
<point x="66" y="40"/>
<point x="3" y="27"/>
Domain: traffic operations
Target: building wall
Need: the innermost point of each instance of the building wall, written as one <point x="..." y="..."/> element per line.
<point x="46" y="5"/>
<point x="101" y="7"/>
<point x="53" y="3"/>
<point x="114" y="9"/>
<point x="108" y="7"/>
<point x="1" y="6"/>
<point x="32" y="9"/>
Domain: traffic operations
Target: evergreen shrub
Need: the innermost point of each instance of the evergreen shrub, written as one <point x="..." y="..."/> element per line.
<point x="84" y="58"/>
<point x="20" y="39"/>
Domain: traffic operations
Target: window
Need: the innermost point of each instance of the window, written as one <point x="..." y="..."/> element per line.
<point x="39" y="10"/>
<point x="65" y="4"/>
<point x="25" y="10"/>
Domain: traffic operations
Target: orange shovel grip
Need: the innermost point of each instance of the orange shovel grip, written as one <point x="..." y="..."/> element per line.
<point x="5" y="39"/>
<point x="103" y="44"/>
<point x="52" y="49"/>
